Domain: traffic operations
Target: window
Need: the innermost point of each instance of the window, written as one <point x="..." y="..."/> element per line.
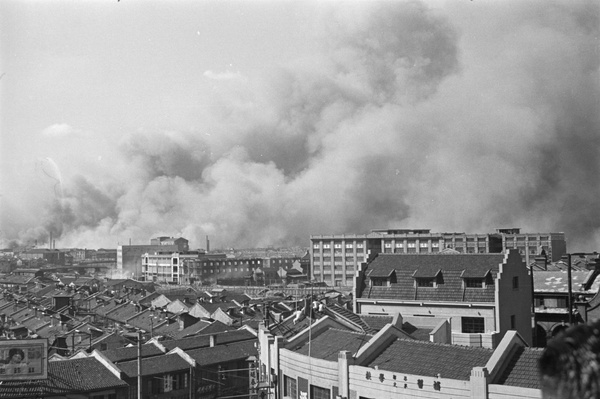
<point x="319" y="393"/>
<point x="326" y="246"/>
<point x="425" y="282"/>
<point x="515" y="282"/>
<point x="435" y="244"/>
<point x="423" y="244"/>
<point x="387" y="245"/>
<point x="399" y="245"/>
<point x="473" y="325"/>
<point x="290" y="387"/>
<point x="513" y="322"/>
<point x="316" y="246"/>
<point x="473" y="283"/>
<point x="337" y="245"/>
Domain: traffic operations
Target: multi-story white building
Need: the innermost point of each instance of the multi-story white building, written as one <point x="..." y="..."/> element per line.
<point x="167" y="267"/>
<point x="129" y="257"/>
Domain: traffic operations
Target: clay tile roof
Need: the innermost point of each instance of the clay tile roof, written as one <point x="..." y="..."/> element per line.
<point x="199" y="341"/>
<point x="376" y="322"/>
<point x="327" y="344"/>
<point x="130" y="353"/>
<point x="68" y="376"/>
<point x="223" y="353"/>
<point x="426" y="358"/>
<point x="155" y="365"/>
<point x="522" y="369"/>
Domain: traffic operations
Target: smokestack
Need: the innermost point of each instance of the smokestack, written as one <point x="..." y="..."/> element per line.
<point x="53" y="244"/>
<point x="130" y="242"/>
<point x="50" y="241"/>
<point x="207" y="244"/>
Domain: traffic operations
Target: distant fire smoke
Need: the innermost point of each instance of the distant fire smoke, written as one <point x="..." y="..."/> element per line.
<point x="405" y="120"/>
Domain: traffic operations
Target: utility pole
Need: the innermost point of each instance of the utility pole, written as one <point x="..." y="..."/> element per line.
<point x="139" y="370"/>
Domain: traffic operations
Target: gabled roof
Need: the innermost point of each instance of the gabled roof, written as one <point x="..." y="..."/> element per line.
<point x="122" y="313"/>
<point x="223" y="353"/>
<point x="376" y="322"/>
<point x="450" y="270"/>
<point x="131" y="352"/>
<point x="522" y="369"/>
<point x="426" y="358"/>
<point x="155" y="365"/>
<point x="327" y="344"/>
<point x="200" y="341"/>
<point x="65" y="377"/>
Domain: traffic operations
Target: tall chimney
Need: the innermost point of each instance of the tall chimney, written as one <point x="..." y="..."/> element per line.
<point x="207" y="244"/>
<point x="50" y="241"/>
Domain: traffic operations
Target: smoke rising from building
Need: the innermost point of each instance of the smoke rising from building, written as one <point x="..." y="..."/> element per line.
<point x="404" y="118"/>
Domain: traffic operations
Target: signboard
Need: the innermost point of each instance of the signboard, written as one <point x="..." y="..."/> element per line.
<point x="23" y="359"/>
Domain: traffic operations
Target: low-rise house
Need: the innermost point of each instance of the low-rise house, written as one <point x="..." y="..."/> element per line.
<point x="85" y="378"/>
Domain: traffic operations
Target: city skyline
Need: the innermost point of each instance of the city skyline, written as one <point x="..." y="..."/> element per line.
<point x="262" y="123"/>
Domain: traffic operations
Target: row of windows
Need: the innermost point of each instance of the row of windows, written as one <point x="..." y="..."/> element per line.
<point x="411" y="244"/>
<point x="338" y="246"/>
<point x="431" y="282"/>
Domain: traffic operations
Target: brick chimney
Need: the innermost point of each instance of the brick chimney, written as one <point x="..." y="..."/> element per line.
<point x="213" y="340"/>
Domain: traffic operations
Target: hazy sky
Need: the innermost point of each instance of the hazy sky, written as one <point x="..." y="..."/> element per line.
<point x="263" y="122"/>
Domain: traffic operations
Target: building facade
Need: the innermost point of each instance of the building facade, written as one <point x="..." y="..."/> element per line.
<point x="483" y="295"/>
<point x="129" y="257"/>
<point x="390" y="365"/>
<point x="335" y="258"/>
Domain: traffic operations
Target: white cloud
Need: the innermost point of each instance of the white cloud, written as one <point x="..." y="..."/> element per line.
<point x="59" y="130"/>
<point x="222" y="75"/>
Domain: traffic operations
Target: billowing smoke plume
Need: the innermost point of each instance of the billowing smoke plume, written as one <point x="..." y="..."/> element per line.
<point x="403" y="120"/>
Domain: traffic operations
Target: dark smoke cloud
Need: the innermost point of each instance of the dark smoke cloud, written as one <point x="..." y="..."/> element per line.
<point x="404" y="119"/>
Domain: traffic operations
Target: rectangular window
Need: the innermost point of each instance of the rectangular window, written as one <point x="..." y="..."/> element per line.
<point x="316" y="246"/>
<point x="515" y="282"/>
<point x="319" y="393"/>
<point x="337" y="245"/>
<point x="387" y="245"/>
<point x="290" y="387"/>
<point x="423" y="245"/>
<point x="474" y="283"/>
<point x="473" y="325"/>
<point x="425" y="282"/>
<point x="513" y="322"/>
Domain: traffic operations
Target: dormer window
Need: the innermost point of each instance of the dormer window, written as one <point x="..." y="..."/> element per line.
<point x="477" y="278"/>
<point x="428" y="278"/>
<point x="425" y="282"/>
<point x="474" y="283"/>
